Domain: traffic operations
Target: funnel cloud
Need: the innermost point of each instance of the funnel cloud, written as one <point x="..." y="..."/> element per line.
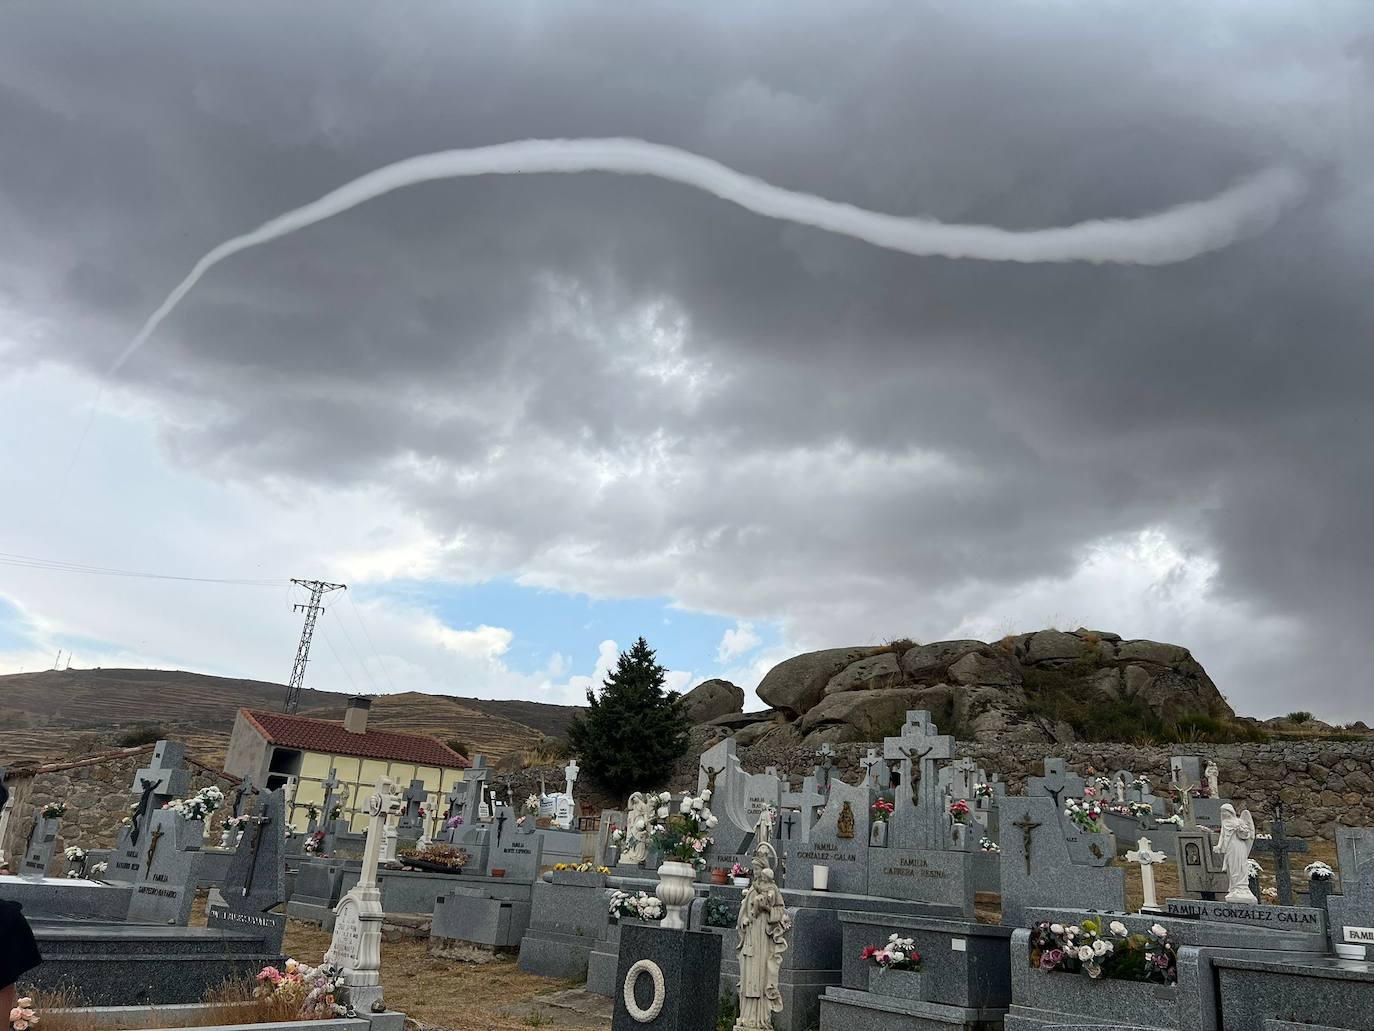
<point x="1164" y="238"/>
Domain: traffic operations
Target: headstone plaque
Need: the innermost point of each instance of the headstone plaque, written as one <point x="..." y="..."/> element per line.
<point x="1038" y="869"/>
<point x="163" y="779"/>
<point x="39" y="848"/>
<point x="519" y="856"/>
<point x="839" y="841"/>
<point x="167" y="887"/>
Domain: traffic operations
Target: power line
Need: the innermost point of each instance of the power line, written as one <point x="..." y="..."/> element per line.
<point x="56" y="566"/>
<point x="358" y="613"/>
<point x="349" y="638"/>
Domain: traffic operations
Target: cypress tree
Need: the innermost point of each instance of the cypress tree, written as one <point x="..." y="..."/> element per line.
<point x="630" y="736"/>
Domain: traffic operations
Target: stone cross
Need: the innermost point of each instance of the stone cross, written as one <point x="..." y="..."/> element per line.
<point x="455" y="799"/>
<point x="1146" y="857"/>
<point x="160" y="781"/>
<point x="1055" y="780"/>
<point x="870" y="763"/>
<point x="570" y="773"/>
<point x="330" y="784"/>
<point x="827" y="761"/>
<point x="964" y="776"/>
<point x="357" y="942"/>
<point x="473" y="781"/>
<point x="415" y="796"/>
<point x="787" y="823"/>
<point x="245" y="790"/>
<point x="920" y="743"/>
<point x="258" y="822"/>
<point x="1280" y="845"/>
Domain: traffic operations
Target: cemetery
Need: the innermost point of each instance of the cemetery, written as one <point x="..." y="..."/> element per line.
<point x="924" y="894"/>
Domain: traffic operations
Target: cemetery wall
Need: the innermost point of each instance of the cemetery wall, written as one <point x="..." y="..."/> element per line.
<point x="1323" y="784"/>
<point x="96" y="790"/>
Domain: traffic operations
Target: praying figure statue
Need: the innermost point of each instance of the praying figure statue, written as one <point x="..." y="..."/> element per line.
<point x="763" y="925"/>
<point x="638" y="818"/>
<point x="1237" y="838"/>
<point x="1212" y="776"/>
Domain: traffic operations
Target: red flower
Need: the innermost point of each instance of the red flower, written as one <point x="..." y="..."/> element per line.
<point x="868" y="952"/>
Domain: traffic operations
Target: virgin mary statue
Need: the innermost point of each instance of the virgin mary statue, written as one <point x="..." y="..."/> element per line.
<point x="763" y="925"/>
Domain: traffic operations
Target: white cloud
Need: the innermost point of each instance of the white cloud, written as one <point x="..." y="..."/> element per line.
<point x="738" y="640"/>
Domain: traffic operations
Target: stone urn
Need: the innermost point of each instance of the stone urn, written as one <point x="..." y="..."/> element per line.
<point x="676" y="892"/>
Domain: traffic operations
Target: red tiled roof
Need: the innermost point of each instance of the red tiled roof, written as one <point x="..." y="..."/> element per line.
<point x="314" y="735"/>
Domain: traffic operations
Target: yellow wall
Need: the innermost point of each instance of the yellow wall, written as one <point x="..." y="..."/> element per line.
<point x="358" y="778"/>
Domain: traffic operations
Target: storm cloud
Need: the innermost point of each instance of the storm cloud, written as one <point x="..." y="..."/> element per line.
<point x="618" y="386"/>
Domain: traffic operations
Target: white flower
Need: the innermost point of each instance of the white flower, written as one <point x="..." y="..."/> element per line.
<point x="1085" y="953"/>
<point x="1117" y="928"/>
<point x="1318" y="871"/>
<point x="1252" y="868"/>
<point x="1159" y="930"/>
<point x="1101" y="948"/>
<point x="1057" y="928"/>
<point x="663" y="812"/>
<point x="706" y="795"/>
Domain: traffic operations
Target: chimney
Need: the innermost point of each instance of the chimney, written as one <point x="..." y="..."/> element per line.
<point x="355" y="716"/>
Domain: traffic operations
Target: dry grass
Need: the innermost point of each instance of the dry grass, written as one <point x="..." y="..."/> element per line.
<point x="1166" y="874"/>
<point x="229" y="1004"/>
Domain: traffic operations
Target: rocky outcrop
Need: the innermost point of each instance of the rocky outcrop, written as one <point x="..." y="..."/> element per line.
<point x="1028" y="687"/>
<point x="711" y="699"/>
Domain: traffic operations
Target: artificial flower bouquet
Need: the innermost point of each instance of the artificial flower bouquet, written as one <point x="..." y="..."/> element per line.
<point x="959" y="811"/>
<point x="446" y="858"/>
<point x="322" y="990"/>
<point x="638" y="905"/>
<point x="683" y="836"/>
<point x="54" y="810"/>
<point x="580" y="868"/>
<point x="199" y="806"/>
<point x="1086" y="813"/>
<point x="1115" y="954"/>
<point x="22" y="1016"/>
<point x="898" y="954"/>
<point x="1318" y="871"/>
<point x="986" y="844"/>
<point x="881" y="810"/>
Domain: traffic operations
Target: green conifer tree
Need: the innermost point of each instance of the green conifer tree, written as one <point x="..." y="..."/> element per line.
<point x="631" y="735"/>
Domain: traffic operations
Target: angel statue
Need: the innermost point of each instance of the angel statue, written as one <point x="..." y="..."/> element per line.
<point x="638" y="819"/>
<point x="1237" y="838"/>
<point x="763" y="926"/>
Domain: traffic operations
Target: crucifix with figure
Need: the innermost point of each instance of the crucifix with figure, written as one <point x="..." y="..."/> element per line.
<point x="919" y="747"/>
<point x="258" y="822"/>
<point x="330" y="784"/>
<point x="871" y="763"/>
<point x="711" y="775"/>
<point x="153" y="839"/>
<point x="1280" y="846"/>
<point x="1184" y="789"/>
<point x="1027" y="827"/>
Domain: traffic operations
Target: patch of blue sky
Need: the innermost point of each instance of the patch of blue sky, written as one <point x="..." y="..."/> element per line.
<point x="574" y="625"/>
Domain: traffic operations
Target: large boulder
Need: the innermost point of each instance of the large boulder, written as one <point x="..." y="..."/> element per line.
<point x="1152" y="651"/>
<point x="990" y="667"/>
<point x="871" y="674"/>
<point x="870" y="715"/>
<point x="712" y="698"/>
<point x="798" y="683"/>
<point x="929" y="662"/>
<point x="1049" y="645"/>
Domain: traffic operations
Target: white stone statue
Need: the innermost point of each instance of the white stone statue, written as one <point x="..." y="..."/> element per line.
<point x="638" y="819"/>
<point x="763" y="926"/>
<point x="1121" y="789"/>
<point x="1237" y="838"/>
<point x="1213" y="777"/>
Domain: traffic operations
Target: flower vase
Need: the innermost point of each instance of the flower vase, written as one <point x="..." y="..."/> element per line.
<point x="958" y="832"/>
<point x="877" y="834"/>
<point x="225" y="833"/>
<point x="676" y="892"/>
<point x="720" y="876"/>
<point x="741" y="882"/>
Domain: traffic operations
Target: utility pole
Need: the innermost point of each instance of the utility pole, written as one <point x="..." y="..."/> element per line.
<point x="312" y="609"/>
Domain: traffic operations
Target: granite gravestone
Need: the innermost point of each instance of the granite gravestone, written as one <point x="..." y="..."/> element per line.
<point x="1352" y="911"/>
<point x="1200" y="873"/>
<point x="1059" y="783"/>
<point x="39" y="848"/>
<point x="1189" y="769"/>
<point x="1039" y="869"/>
<point x="839" y="842"/>
<point x="167" y="886"/>
<point x="163" y="779"/>
<point x="666" y="980"/>
<point x="927" y="857"/>
<point x="520" y="854"/>
<point x="800" y="810"/>
<point x="256" y="880"/>
<point x="1281" y="846"/>
<point x="411" y="824"/>
<point x="737" y="798"/>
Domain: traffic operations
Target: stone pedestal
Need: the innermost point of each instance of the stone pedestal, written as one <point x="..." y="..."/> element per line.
<point x="667" y="980"/>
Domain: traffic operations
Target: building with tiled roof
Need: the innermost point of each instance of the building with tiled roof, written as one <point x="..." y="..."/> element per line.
<point x="298" y="752"/>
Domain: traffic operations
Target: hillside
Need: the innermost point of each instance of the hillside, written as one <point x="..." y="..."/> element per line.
<point x="61" y="713"/>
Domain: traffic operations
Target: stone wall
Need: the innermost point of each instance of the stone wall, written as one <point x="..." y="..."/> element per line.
<point x="97" y="794"/>
<point x="1323" y="784"/>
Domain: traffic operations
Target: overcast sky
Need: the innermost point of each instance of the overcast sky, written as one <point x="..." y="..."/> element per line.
<point x="524" y="417"/>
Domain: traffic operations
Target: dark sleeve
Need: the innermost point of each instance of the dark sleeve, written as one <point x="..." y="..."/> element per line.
<point x="18" y="950"/>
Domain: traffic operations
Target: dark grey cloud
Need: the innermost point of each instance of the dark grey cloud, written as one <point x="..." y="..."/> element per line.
<point x="622" y="385"/>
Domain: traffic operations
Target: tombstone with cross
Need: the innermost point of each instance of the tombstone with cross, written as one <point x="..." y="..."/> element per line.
<point x="243" y="795"/>
<point x="1039" y="868"/>
<point x="805" y="805"/>
<point x="827" y="754"/>
<point x="411" y="824"/>
<point x="920" y="818"/>
<point x="163" y="779"/>
<point x="1059" y="783"/>
<point x="331" y="785"/>
<point x="1351" y="913"/>
<point x="1281" y="846"/>
<point x="453" y="811"/>
<point x="1147" y="858"/>
<point x="474" y="781"/>
<point x="40" y="845"/>
<point x="255" y="881"/>
<point x="873" y="766"/>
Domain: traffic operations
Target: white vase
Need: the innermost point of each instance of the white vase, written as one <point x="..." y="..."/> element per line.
<point x="676" y="892"/>
<point x="820" y="878"/>
<point x="741" y="882"/>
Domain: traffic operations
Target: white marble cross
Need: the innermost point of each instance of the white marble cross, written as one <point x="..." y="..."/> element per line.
<point x="570" y="773"/>
<point x="870" y="763"/>
<point x="1146" y="858"/>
